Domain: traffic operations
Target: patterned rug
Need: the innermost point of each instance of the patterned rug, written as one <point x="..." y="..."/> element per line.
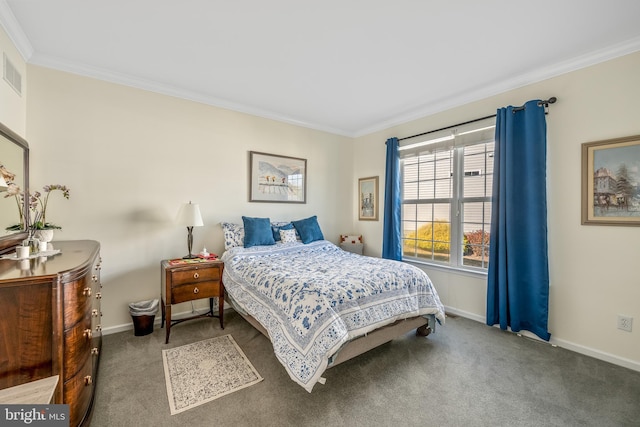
<point x="206" y="370"/>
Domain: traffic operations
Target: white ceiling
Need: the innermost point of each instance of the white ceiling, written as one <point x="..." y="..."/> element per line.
<point x="349" y="67"/>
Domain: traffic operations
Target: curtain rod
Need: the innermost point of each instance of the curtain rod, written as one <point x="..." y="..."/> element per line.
<point x="544" y="103"/>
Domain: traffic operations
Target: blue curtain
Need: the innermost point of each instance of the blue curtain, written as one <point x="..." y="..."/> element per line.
<point x="392" y="228"/>
<point x="518" y="276"/>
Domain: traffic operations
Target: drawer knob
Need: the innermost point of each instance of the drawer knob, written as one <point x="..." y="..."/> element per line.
<point x="99" y="295"/>
<point x="94" y="351"/>
<point x="87" y="334"/>
<point x="196" y="290"/>
<point x="86" y="291"/>
<point x="88" y="380"/>
<point x="94" y="277"/>
<point x="94" y="313"/>
<point x="196" y="275"/>
<point x="98" y="328"/>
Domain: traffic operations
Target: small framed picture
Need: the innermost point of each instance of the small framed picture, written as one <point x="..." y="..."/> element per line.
<point x="277" y="179"/>
<point x="611" y="182"/>
<point x="368" y="199"/>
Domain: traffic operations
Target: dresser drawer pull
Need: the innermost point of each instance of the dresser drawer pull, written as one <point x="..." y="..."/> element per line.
<point x="94" y="351"/>
<point x="196" y="275"/>
<point x="196" y="290"/>
<point x="86" y="291"/>
<point x="87" y="334"/>
<point x="98" y="328"/>
<point x="88" y="380"/>
<point x="94" y="277"/>
<point x="94" y="313"/>
<point x="99" y="295"/>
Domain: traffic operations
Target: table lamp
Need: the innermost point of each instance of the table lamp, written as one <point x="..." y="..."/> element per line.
<point x="189" y="215"/>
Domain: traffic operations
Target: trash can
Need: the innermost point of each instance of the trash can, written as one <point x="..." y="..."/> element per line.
<point x="143" y="313"/>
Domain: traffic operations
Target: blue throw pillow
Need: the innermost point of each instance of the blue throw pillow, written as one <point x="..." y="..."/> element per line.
<point x="257" y="232"/>
<point x="276" y="230"/>
<point x="308" y="229"/>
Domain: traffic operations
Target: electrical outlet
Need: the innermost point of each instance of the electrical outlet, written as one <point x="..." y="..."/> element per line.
<point x="625" y="322"/>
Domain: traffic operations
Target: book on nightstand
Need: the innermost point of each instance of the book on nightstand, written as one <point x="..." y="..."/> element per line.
<point x="196" y="260"/>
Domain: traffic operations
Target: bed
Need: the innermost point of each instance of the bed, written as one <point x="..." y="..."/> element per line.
<point x="320" y="305"/>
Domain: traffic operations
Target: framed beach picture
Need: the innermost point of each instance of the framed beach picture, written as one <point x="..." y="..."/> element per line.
<point x="368" y="199"/>
<point x="610" y="182"/>
<point x="277" y="179"/>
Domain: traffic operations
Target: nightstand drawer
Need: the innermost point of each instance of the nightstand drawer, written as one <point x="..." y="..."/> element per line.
<point x="194" y="275"/>
<point x="192" y="291"/>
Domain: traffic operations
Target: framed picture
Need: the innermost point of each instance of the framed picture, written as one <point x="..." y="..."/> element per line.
<point x="277" y="179"/>
<point x="368" y="199"/>
<point x="610" y="182"/>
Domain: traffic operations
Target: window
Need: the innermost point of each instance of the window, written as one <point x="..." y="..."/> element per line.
<point x="446" y="206"/>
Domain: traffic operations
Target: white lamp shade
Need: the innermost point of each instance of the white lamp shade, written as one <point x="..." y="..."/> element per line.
<point x="189" y="215"/>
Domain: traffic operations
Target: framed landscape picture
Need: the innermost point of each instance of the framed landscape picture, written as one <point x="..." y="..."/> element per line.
<point x="278" y="179"/>
<point x="610" y="182"/>
<point x="368" y="199"/>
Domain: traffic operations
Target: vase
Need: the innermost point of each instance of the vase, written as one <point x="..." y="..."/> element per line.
<point x="32" y="243"/>
<point x="45" y="235"/>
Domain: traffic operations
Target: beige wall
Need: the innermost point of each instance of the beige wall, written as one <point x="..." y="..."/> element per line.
<point x="13" y="107"/>
<point x="131" y="158"/>
<point x="593" y="269"/>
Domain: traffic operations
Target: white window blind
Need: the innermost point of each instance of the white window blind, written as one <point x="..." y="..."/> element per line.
<point x="447" y="177"/>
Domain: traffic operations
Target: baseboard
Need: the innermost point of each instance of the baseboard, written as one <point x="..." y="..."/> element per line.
<point x="597" y="354"/>
<point x="156" y="322"/>
<point x="568" y="345"/>
<point x="465" y="314"/>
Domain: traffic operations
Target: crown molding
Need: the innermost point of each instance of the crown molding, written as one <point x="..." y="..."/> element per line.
<point x="535" y="76"/>
<point x="164" y="89"/>
<point x="14" y="31"/>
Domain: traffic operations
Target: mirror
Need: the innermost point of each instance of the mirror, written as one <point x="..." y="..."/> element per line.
<point x="14" y="156"/>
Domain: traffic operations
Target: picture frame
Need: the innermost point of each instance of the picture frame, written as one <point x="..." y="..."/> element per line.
<point x="611" y="182"/>
<point x="277" y="179"/>
<point x="368" y="200"/>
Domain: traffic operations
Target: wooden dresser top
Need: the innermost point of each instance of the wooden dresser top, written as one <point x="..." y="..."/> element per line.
<point x="73" y="254"/>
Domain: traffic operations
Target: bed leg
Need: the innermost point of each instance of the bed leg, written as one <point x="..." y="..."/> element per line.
<point x="423" y="331"/>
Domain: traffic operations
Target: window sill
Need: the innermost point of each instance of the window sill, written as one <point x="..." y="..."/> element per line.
<point x="455" y="270"/>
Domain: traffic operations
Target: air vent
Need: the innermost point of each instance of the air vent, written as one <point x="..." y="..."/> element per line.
<point x="11" y="75"/>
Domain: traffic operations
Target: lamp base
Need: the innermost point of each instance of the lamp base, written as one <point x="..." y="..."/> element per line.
<point x="190" y="256"/>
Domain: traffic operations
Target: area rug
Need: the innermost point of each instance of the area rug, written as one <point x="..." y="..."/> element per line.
<point x="206" y="370"/>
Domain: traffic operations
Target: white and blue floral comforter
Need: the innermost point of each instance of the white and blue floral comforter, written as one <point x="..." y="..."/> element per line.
<point x="314" y="298"/>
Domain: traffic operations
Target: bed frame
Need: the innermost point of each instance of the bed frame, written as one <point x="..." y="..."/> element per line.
<point x="373" y="339"/>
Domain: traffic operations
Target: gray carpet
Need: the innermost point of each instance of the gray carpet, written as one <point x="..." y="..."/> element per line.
<point x="467" y="374"/>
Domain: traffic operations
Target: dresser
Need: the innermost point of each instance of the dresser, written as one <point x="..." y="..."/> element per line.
<point x="50" y="323"/>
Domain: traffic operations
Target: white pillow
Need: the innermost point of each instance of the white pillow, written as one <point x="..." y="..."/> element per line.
<point x="288" y="236"/>
<point x="233" y="235"/>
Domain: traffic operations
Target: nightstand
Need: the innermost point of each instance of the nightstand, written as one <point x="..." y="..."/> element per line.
<point x="189" y="280"/>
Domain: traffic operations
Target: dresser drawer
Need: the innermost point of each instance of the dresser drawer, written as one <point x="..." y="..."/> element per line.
<point x="78" y="391"/>
<point x="77" y="347"/>
<point x="194" y="275"/>
<point x="78" y="299"/>
<point x="192" y="291"/>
